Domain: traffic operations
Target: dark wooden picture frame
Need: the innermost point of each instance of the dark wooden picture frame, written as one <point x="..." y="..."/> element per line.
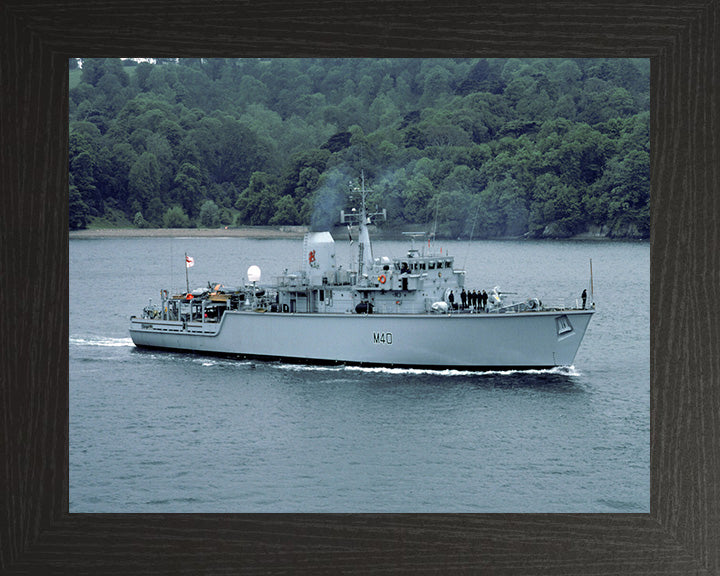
<point x="680" y="535"/>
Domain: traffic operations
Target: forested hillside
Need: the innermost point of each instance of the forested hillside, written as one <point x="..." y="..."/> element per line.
<point x="484" y="147"/>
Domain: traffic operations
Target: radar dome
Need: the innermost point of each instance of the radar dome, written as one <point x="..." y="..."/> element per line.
<point x="254" y="274"/>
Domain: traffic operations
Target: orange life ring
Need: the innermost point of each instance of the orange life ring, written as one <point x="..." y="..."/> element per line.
<point x="382" y="278"/>
<point x="189" y="297"/>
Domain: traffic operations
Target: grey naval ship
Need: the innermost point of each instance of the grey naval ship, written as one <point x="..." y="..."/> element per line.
<point x="399" y="312"/>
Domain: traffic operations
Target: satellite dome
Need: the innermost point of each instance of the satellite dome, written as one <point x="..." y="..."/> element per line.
<point x="254" y="273"/>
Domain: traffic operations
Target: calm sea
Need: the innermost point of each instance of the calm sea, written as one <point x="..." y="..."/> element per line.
<point x="169" y="432"/>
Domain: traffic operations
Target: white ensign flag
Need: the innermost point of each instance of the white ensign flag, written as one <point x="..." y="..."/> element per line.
<point x="189" y="261"/>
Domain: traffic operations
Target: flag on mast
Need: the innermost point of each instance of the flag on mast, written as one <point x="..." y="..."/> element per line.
<point x="189" y="261"/>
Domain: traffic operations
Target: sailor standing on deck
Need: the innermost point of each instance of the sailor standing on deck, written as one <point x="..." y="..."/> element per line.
<point x="463" y="298"/>
<point x="584" y="297"/>
<point x="451" y="299"/>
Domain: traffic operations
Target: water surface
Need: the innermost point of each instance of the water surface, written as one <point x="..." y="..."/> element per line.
<point x="169" y="432"/>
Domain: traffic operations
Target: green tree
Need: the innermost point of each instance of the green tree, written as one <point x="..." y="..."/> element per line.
<point x="92" y="71"/>
<point x="416" y="200"/>
<point x="252" y="91"/>
<point x="144" y="179"/>
<point x="86" y="161"/>
<point x="297" y="178"/>
<point x="209" y="214"/>
<point x="490" y="221"/>
<point x="175" y="217"/>
<point x="256" y="203"/>
<point x="229" y="150"/>
<point x="285" y="211"/>
<point x="556" y="209"/>
<point x="154" y="212"/>
<point x="436" y="85"/>
<point x="187" y="187"/>
<point x="139" y="221"/>
<point x="226" y="217"/>
<point x="625" y="190"/>
<point x="142" y="73"/>
<point x="453" y="218"/>
<point x="83" y="169"/>
<point x="477" y="79"/>
<point x="121" y="159"/>
<point x="78" y="209"/>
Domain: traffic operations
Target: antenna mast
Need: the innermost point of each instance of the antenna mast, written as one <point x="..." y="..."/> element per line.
<point x="365" y="256"/>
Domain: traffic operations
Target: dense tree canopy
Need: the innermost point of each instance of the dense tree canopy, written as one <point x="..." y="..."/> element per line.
<point x="488" y="147"/>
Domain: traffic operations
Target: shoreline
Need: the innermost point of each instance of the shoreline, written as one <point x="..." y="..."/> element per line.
<point x="243" y="232"/>
<point x="293" y="232"/>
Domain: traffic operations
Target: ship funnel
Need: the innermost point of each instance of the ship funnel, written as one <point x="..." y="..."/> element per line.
<point x="319" y="256"/>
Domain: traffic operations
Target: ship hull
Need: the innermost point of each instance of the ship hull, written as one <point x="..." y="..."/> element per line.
<point x="461" y="341"/>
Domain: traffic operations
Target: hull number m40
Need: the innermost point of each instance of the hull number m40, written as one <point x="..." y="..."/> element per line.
<point x="382" y="338"/>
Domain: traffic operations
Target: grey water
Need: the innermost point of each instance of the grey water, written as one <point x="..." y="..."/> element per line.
<point x="171" y="432"/>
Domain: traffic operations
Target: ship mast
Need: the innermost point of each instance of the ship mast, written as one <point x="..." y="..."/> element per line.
<point x="365" y="255"/>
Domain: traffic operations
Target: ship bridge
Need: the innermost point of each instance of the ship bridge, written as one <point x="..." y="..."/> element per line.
<point x="413" y="264"/>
